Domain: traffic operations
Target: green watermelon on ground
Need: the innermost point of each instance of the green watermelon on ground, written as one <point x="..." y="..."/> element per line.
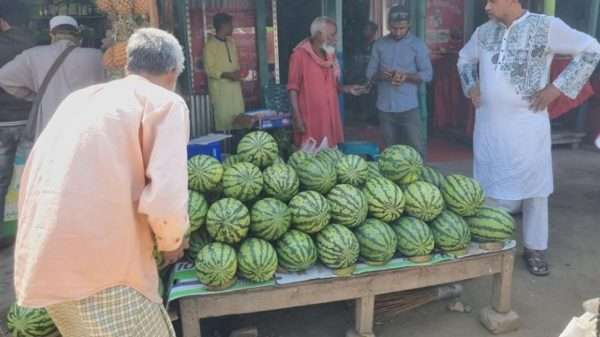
<point x="204" y="173"/>
<point x="491" y="224"/>
<point x="432" y="176"/>
<point x="198" y="240"/>
<point x="463" y="195"/>
<point x="377" y="241"/>
<point x="316" y="175"/>
<point x="414" y="237"/>
<point x="338" y="247"/>
<point x="228" y="221"/>
<point x="310" y="212"/>
<point x="281" y="182"/>
<point x="348" y="205"/>
<point x="257" y="260"/>
<point x="373" y="169"/>
<point x="385" y="199"/>
<point x="232" y="159"/>
<point x="197" y="209"/>
<point x="270" y="219"/>
<point x="216" y="265"/>
<point x="352" y="170"/>
<point x="258" y="148"/>
<point x="26" y="322"/>
<point x="401" y="164"/>
<point x="423" y="201"/>
<point x="242" y="181"/>
<point x="331" y="155"/>
<point x="451" y="232"/>
<point x="297" y="158"/>
<point x="296" y="251"/>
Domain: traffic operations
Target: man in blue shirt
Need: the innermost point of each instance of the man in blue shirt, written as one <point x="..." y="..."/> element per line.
<point x="399" y="64"/>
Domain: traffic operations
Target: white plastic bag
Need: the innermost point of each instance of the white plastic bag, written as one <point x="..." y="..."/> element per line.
<point x="309" y="145"/>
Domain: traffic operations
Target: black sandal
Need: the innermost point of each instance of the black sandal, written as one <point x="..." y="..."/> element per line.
<point x="536" y="263"/>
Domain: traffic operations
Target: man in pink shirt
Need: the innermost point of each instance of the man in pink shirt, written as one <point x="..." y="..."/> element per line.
<point x="104" y="183"/>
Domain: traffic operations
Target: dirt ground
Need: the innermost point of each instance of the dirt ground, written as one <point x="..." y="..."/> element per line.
<point x="545" y="305"/>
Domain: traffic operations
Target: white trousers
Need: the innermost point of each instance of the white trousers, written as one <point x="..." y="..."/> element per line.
<point x="535" y="219"/>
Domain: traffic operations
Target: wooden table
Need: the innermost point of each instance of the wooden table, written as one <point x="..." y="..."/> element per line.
<point x="362" y="289"/>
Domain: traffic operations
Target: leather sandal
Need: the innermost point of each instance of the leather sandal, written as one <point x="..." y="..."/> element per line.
<point x="536" y="262"/>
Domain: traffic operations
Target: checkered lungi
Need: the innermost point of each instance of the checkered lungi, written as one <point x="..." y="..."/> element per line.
<point x="115" y="312"/>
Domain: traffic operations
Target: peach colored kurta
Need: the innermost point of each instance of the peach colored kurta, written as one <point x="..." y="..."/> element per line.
<point x="108" y="172"/>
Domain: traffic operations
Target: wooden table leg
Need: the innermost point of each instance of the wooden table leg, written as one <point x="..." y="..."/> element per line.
<point x="503" y="284"/>
<point x="364" y="315"/>
<point x="190" y="321"/>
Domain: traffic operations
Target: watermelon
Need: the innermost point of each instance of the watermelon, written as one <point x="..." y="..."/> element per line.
<point x="197" y="209"/>
<point x="258" y="148"/>
<point x="338" y="247"/>
<point x="216" y="265"/>
<point x="26" y="322"/>
<point x="377" y="241"/>
<point x="423" y="201"/>
<point x="198" y="240"/>
<point x="414" y="237"/>
<point x="432" y="176"/>
<point x="373" y="169"/>
<point x="316" y="175"/>
<point x="463" y="195"/>
<point x="348" y="205"/>
<point x="296" y="251"/>
<point x="401" y="164"/>
<point x="352" y="170"/>
<point x="257" y="260"/>
<point x="228" y="221"/>
<point x="310" y="212"/>
<point x="242" y="181"/>
<point x="204" y="173"/>
<point x="451" y="232"/>
<point x="331" y="155"/>
<point x="491" y="224"/>
<point x="270" y="219"/>
<point x="297" y="158"/>
<point x="281" y="182"/>
<point x="232" y="159"/>
<point x="278" y="160"/>
<point x="385" y="199"/>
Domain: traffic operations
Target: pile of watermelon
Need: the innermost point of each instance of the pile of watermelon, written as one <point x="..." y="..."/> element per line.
<point x="255" y="214"/>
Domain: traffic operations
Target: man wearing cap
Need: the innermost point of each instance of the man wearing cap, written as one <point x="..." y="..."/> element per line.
<point x="25" y="75"/>
<point x="399" y="64"/>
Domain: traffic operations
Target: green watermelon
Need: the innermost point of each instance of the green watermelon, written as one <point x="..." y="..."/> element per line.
<point x="204" y="173"/>
<point x="257" y="260"/>
<point x="401" y="164"/>
<point x="258" y="148"/>
<point x="297" y="158"/>
<point x="296" y="251"/>
<point x="432" y="176"/>
<point x="228" y="221"/>
<point x="377" y="241"/>
<point x="373" y="169"/>
<point x="451" y="232"/>
<point x="270" y="219"/>
<point x="348" y="205"/>
<point x="278" y="160"/>
<point x="216" y="265"/>
<point x="242" y="181"/>
<point x="330" y="155"/>
<point x="198" y="240"/>
<point x="491" y="224"/>
<point x="463" y="195"/>
<point x="197" y="209"/>
<point x="232" y="159"/>
<point x="281" y="182"/>
<point x="338" y="247"/>
<point x="414" y="237"/>
<point x="385" y="199"/>
<point x="310" y="212"/>
<point x="316" y="175"/>
<point x="423" y="201"/>
<point x="352" y="170"/>
<point x="26" y="322"/>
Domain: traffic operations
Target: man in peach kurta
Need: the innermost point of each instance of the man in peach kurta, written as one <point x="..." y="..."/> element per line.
<point x="105" y="182"/>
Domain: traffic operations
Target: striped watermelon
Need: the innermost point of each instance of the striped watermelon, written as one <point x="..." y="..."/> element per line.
<point x="310" y="212"/>
<point x="432" y="176"/>
<point x="204" y="173"/>
<point x="423" y="201"/>
<point x="232" y="159"/>
<point x="491" y="224"/>
<point x="257" y="260"/>
<point x="25" y="322"/>
<point x="198" y="240"/>
<point x="377" y="241"/>
<point x="197" y="209"/>
<point x="352" y="170"/>
<point x="258" y="148"/>
<point x="216" y="265"/>
<point x="463" y="195"/>
<point x="278" y="160"/>
<point x="242" y="181"/>
<point x="316" y="175"/>
<point x="451" y="232"/>
<point x="385" y="199"/>
<point x="296" y="251"/>
<point x="228" y="220"/>
<point x="401" y="164"/>
<point x="281" y="182"/>
<point x="348" y="204"/>
<point x="414" y="237"/>
<point x="297" y="158"/>
<point x="373" y="169"/>
<point x="338" y="247"/>
<point x="270" y="219"/>
<point x="330" y="155"/>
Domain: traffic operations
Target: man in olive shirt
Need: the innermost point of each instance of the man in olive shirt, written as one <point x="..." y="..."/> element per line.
<point x="13" y="112"/>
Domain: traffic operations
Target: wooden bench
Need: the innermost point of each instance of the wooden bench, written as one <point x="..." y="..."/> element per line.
<point x="362" y="289"/>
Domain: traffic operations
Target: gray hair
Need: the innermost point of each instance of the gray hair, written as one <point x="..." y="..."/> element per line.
<point x="319" y="24"/>
<point x="154" y="51"/>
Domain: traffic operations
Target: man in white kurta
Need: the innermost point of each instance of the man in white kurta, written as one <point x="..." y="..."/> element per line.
<point x="505" y="70"/>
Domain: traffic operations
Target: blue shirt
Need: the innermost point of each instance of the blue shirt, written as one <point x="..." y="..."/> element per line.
<point x="409" y="55"/>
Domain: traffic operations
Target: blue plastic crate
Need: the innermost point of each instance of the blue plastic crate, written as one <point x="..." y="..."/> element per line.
<point x="368" y="149"/>
<point x="212" y="149"/>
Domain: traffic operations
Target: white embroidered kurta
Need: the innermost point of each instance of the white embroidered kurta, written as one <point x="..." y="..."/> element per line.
<point x="512" y="144"/>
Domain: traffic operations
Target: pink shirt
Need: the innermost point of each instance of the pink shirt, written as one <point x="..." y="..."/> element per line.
<point x="107" y="174"/>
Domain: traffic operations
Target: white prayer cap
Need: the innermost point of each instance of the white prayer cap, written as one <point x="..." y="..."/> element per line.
<point x="63" y="20"/>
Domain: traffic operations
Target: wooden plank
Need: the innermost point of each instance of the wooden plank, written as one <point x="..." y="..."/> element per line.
<point x="325" y="291"/>
<point x="502" y="286"/>
<point x="364" y="312"/>
<point x="190" y="320"/>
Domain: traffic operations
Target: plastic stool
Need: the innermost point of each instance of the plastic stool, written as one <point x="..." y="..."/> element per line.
<point x="371" y="150"/>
